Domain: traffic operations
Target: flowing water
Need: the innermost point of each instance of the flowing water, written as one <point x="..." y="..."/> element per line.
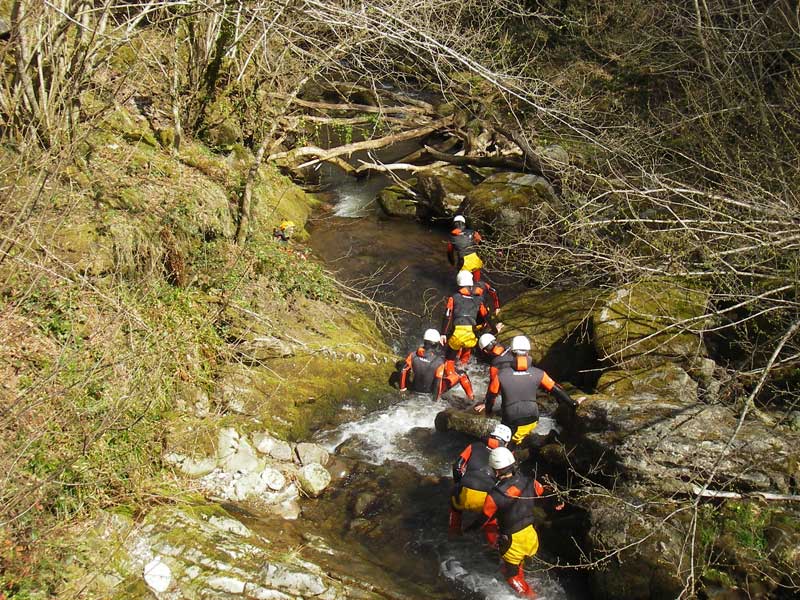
<point x="406" y="266"/>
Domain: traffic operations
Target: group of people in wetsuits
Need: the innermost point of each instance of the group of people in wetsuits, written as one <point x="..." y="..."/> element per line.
<point x="486" y="477"/>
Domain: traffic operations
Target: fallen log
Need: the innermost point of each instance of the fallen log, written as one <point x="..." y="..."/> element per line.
<point x="347" y="106"/>
<point x="391" y="167"/>
<point x="495" y="162"/>
<point x="345" y="89"/>
<point x="326" y="155"/>
<point x="706" y="493"/>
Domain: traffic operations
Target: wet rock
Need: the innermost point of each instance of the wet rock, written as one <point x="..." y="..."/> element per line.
<point x="273" y="447"/>
<point x="398" y="201"/>
<point x="313" y="479"/>
<point x="465" y="421"/>
<point x="364" y="502"/>
<point x="309" y="453"/>
<point x="354" y="448"/>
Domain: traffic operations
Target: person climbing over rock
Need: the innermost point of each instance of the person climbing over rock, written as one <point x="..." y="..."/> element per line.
<point x="473" y="478"/>
<point x="519" y="384"/>
<point x="421" y="370"/>
<point x="510" y="503"/>
<point x="463" y="311"/>
<point x="462" y="249"/>
<point x="284" y="232"/>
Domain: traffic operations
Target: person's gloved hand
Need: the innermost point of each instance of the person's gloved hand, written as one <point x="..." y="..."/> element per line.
<point x="479" y="408"/>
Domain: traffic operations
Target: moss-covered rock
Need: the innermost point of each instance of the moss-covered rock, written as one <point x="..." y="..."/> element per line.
<point x="396" y="201"/>
<point x="83" y="246"/>
<point x="559" y="327"/>
<point x="647" y="322"/>
<point x="277" y="198"/>
<point x="223" y="126"/>
<point x="505" y="200"/>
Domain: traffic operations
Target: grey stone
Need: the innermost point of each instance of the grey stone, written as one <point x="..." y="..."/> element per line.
<point x="309" y="453"/>
<point x="230" y="525"/>
<point x="275" y="448"/>
<point x="313" y="479"/>
<point x="273" y="479"/>
<point x="294" y="582"/>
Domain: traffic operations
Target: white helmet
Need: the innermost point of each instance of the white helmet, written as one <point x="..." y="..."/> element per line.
<point x="486" y="340"/>
<point x="520" y="344"/>
<point x="464" y="279"/>
<point x="502" y="433"/>
<point x="459" y="219"/>
<point x="431" y="335"/>
<point x="501" y="458"/>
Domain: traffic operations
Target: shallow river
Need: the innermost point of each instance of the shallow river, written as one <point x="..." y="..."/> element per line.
<point x="407" y="267"/>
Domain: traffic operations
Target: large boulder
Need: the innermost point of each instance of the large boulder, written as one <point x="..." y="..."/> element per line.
<point x="647" y="322"/>
<point x="397" y="201"/>
<point x="441" y="192"/>
<point x="506" y="200"/>
<point x="650" y="428"/>
<point x="464" y="421"/>
<point x="643" y="558"/>
<point x="559" y="327"/>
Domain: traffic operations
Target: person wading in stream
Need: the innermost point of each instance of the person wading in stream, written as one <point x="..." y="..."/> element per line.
<point x="462" y="249"/>
<point x="518" y="381"/>
<point x="463" y="312"/>
<point x="473" y="478"/>
<point x="423" y="366"/>
<point x="510" y="503"/>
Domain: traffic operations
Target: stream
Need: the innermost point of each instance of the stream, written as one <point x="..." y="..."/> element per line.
<point x="397" y="446"/>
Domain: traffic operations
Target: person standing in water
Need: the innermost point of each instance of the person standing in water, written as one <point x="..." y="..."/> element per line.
<point x="463" y="312"/>
<point x="519" y="383"/>
<point x="473" y="478"/>
<point x="421" y="370"/>
<point x="510" y="504"/>
<point x="462" y="249"/>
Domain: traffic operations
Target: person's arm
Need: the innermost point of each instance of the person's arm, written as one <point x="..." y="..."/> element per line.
<point x="460" y="466"/>
<point x="404" y="372"/>
<point x="447" y="320"/>
<point x="492" y="293"/>
<point x="483" y="312"/>
<point x="557" y="391"/>
<point x="491" y="393"/>
<point x="451" y="253"/>
<point x="476" y="237"/>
